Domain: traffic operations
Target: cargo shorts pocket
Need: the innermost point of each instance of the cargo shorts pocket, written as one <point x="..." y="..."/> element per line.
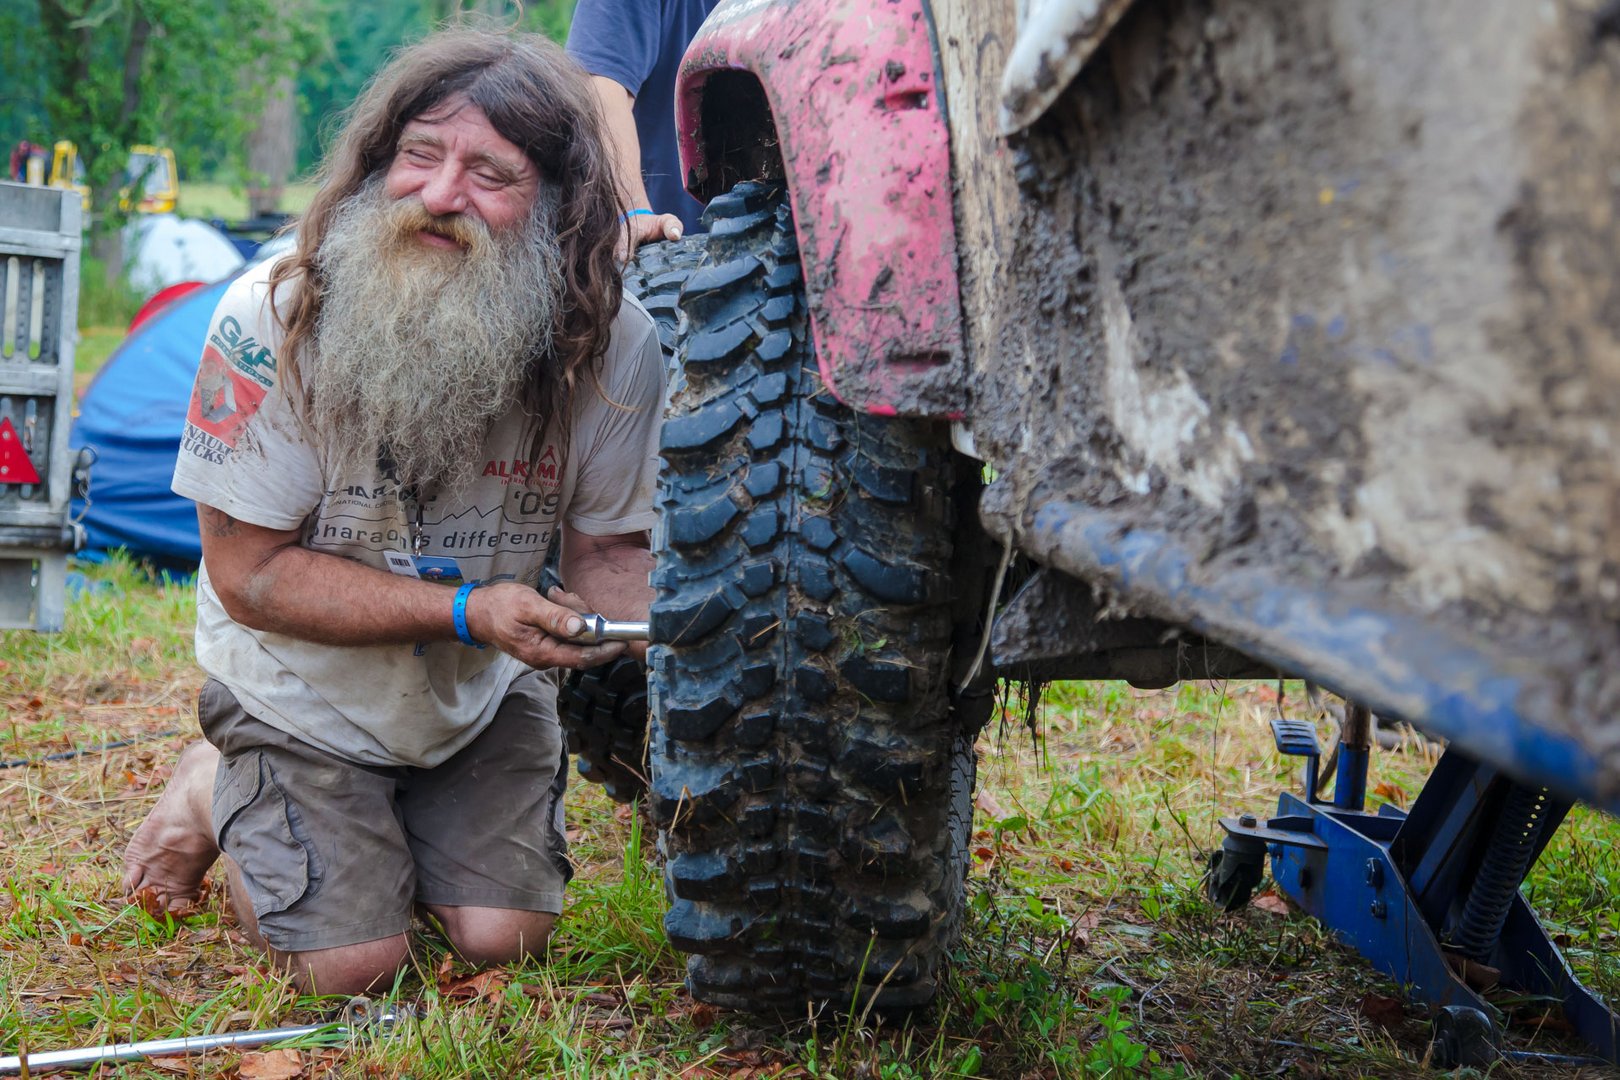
<point x="259" y="829"/>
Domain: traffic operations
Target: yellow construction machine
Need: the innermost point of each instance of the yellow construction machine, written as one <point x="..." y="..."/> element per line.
<point x="152" y="183"/>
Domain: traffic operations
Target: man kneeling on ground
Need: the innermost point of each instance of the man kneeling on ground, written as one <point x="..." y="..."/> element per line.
<point x="439" y="377"/>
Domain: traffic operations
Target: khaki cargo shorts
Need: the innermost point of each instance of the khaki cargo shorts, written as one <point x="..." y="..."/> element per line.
<point x="334" y="853"/>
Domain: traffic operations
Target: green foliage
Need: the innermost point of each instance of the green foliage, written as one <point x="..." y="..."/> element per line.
<point x="1573" y="886"/>
<point x="198" y="82"/>
<point x="96" y="345"/>
<point x="358" y="38"/>
<point x="214" y="199"/>
<point x="1086" y="951"/>
<point x="118" y="73"/>
<point x="22" y="106"/>
<point x="105" y="300"/>
<point x="1116" y="1053"/>
<point x="123" y="601"/>
<point x="549" y="17"/>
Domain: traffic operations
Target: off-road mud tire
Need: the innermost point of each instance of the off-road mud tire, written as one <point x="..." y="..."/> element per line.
<point x="604" y="709"/>
<point x="811" y="784"/>
<point x="604" y="712"/>
<point x="655" y="277"/>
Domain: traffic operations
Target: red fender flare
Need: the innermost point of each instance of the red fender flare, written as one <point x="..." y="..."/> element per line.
<point x="854" y="95"/>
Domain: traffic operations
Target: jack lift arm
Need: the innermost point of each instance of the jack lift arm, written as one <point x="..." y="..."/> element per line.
<point x="1430" y="896"/>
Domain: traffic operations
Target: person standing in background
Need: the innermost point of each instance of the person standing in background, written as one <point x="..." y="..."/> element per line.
<point x="633" y="50"/>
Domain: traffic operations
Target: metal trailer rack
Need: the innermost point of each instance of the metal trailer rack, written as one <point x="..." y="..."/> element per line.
<point x="40" y="237"/>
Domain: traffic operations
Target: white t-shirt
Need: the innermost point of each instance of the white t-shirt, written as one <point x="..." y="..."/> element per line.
<point x="248" y="452"/>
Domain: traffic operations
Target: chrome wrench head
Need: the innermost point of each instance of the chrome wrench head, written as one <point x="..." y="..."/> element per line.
<point x="599" y="629"/>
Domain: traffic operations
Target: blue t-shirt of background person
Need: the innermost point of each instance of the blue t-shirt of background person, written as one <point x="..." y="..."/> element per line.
<point x="638" y="44"/>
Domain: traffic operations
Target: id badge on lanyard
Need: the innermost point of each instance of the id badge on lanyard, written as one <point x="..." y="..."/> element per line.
<point x="414" y="563"/>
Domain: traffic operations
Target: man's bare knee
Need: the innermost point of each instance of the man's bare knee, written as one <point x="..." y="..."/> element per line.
<point x="485" y="936"/>
<point x="366" y="967"/>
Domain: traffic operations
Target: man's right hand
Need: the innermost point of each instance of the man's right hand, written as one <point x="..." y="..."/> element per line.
<point x="520" y="622"/>
<point x="618" y="109"/>
<point x="647" y="229"/>
<point x="267" y="580"/>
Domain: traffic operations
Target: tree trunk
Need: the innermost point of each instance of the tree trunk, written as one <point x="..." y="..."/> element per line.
<point x="107" y="244"/>
<point x="273" y="150"/>
<point x="107" y="217"/>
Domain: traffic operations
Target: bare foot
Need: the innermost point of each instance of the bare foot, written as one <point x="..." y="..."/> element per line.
<point x="169" y="855"/>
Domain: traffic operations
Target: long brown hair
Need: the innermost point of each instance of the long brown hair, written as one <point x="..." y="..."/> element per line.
<point x="541" y="101"/>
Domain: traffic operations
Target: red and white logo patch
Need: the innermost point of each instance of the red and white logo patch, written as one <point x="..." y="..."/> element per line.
<point x="223" y="399"/>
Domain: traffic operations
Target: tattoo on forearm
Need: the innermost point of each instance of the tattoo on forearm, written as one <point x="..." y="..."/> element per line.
<point x="221" y="524"/>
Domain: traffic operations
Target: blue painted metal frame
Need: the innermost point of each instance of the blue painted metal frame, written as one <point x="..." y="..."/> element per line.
<point x="1350" y="780"/>
<point x="1390" y="884"/>
<point x="1500" y="708"/>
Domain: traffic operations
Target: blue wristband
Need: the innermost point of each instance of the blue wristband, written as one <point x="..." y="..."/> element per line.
<point x="458" y="612"/>
<point x="628" y="214"/>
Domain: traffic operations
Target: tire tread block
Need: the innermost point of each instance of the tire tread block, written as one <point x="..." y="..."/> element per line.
<point x="706" y="427"/>
<point x="710" y="279"/>
<point x="693" y="525"/>
<point x="721" y="344"/>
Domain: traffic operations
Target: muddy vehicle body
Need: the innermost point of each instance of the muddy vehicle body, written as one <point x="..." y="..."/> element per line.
<point x="1245" y="339"/>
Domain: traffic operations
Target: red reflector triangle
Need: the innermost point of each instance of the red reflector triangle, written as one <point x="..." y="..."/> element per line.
<point x="15" y="468"/>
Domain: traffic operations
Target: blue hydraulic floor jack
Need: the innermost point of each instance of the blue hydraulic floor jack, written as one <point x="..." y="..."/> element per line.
<point x="1430" y="896"/>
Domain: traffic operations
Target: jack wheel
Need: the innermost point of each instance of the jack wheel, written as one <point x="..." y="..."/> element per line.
<point x="1464" y="1037"/>
<point x="1235" y="871"/>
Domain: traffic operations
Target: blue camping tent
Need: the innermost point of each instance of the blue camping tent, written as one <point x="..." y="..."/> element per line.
<point x="132" y="415"/>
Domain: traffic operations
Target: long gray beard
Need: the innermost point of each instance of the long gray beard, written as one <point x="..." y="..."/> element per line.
<point x="418" y="351"/>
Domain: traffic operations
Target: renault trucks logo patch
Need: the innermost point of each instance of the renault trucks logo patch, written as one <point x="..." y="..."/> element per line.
<point x="222" y="401"/>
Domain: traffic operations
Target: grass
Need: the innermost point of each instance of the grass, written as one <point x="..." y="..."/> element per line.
<point x="96" y="344"/>
<point x="1088" y="949"/>
<point x="102" y="302"/>
<point x="105" y="310"/>
<point x="209" y="199"/>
